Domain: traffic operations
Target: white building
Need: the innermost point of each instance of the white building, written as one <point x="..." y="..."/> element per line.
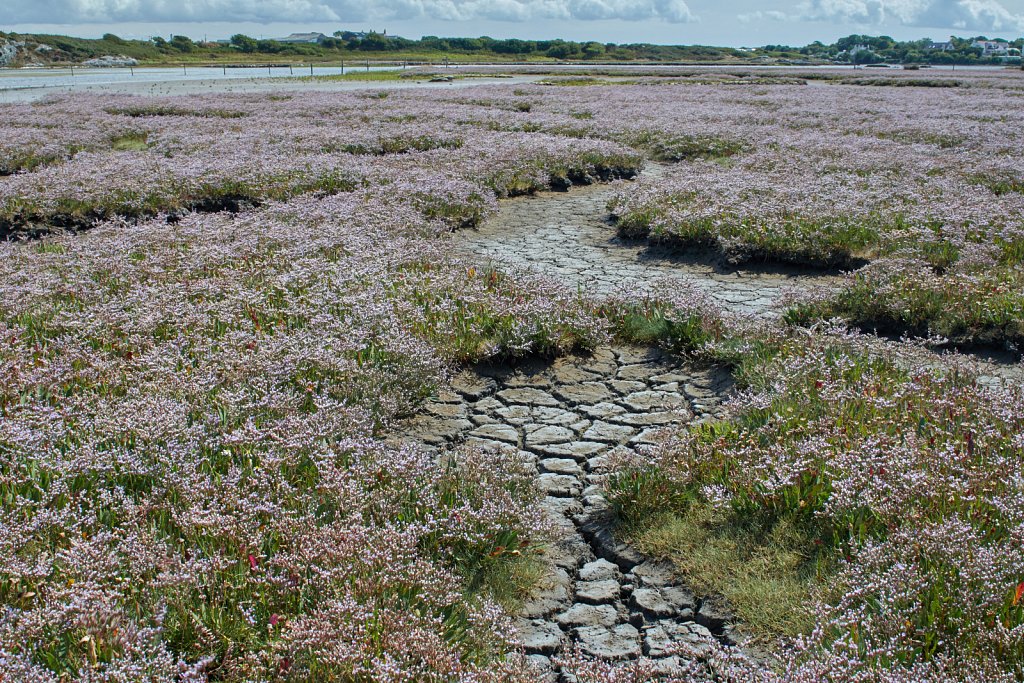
<point x="993" y="48"/>
<point x="303" y="38"/>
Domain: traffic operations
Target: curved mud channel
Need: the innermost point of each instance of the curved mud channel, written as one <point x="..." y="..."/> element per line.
<point x="569" y="237"/>
<point x="571" y="417"/>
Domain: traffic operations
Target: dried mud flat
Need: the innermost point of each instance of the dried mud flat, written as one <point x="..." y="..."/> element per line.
<point x="569" y="419"/>
<point x="568" y="236"/>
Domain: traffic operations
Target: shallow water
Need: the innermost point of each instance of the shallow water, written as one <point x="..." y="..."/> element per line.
<point x="28" y="85"/>
<point x="12" y="79"/>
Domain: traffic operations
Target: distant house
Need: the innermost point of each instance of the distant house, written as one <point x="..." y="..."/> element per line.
<point x="943" y="47"/>
<point x="311" y="38"/>
<point x="850" y="53"/>
<point x="992" y="48"/>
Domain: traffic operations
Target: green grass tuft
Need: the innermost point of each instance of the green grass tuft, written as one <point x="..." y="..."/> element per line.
<point x="766" y="575"/>
<point x="130" y="142"/>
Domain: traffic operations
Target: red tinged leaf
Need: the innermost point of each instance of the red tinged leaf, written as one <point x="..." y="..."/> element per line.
<point x="252" y="562"/>
<point x="1018" y="594"/>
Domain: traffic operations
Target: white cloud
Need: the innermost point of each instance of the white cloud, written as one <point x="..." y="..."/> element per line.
<point x="988" y="15"/>
<point x="107" y="11"/>
<point x="970" y="15"/>
<point x="87" y="11"/>
<point x="763" y="15"/>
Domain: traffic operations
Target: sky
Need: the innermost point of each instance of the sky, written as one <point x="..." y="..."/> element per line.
<point x="734" y="23"/>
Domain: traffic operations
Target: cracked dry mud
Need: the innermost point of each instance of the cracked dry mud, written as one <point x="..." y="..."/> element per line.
<point x="568" y="418"/>
<point x="569" y="237"/>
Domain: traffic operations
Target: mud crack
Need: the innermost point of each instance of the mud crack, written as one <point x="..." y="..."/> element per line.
<point x="568" y="236"/>
<point x="570" y="418"/>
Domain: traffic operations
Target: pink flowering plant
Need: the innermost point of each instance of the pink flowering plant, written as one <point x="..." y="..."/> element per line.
<point x="899" y="479"/>
<point x="191" y="469"/>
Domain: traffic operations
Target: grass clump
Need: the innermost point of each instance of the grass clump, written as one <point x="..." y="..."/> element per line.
<point x="472" y="329"/>
<point x="509" y="579"/>
<point x="999" y="183"/>
<point x="358" y="75"/>
<point x="396" y="144"/>
<point x="579" y="81"/>
<point x="766" y="575"/>
<point x="682" y="220"/>
<point x="130" y="142"/>
<point x="940" y="140"/>
<point x="686" y="321"/>
<point x="550" y="172"/>
<point x="155" y="110"/>
<point x="899" y="297"/>
<point x="906" y="82"/>
<point x="35" y="216"/>
<point x="675" y="148"/>
<point x="26" y="159"/>
<point x="650" y="320"/>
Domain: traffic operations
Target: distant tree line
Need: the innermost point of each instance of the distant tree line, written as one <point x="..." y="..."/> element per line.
<point x="557" y="49"/>
<point x="863" y="49"/>
<point x="857" y="49"/>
